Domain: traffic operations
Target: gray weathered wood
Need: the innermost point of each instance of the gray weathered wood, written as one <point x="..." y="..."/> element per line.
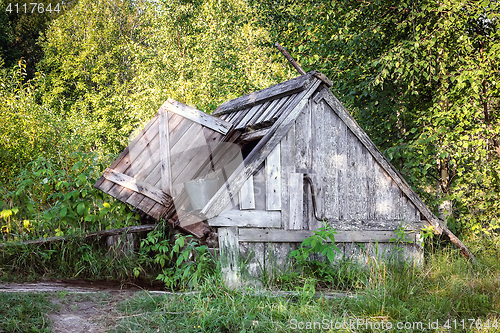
<point x="297" y="236"/>
<point x="295" y="190"/>
<point x="282" y="89"/>
<point x="246" y="218"/>
<point x="260" y="152"/>
<point x="287" y="151"/>
<point x="363" y="137"/>
<point x="253" y="263"/>
<point x="247" y="195"/>
<point x="278" y="108"/>
<point x="166" y="177"/>
<point x="198" y="116"/>
<point x="273" y="179"/>
<point x="254" y="135"/>
<point x="130" y="183"/>
<point x="229" y="256"/>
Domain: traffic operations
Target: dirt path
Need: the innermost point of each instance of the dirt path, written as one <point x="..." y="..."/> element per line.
<point x="80" y="306"/>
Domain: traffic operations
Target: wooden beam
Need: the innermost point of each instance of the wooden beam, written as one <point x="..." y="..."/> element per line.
<point x="247" y="218"/>
<point x="136" y="186"/>
<point x="165" y="165"/>
<point x="197" y="116"/>
<point x="254" y="135"/>
<point x="297" y="236"/>
<point x="260" y="152"/>
<point x="279" y="90"/>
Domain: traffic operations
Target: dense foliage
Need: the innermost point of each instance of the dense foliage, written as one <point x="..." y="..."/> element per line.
<point x="421" y="78"/>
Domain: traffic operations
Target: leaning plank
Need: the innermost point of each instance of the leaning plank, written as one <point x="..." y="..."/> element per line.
<point x="247" y="218"/>
<point x="297" y="236"/>
<point x="134" y="185"/>
<point x="111" y="232"/>
<point x="279" y="90"/>
<point x="166" y="177"/>
<point x="198" y="116"/>
<point x="260" y="152"/>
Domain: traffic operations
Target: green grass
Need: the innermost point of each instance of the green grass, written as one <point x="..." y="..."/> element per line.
<point x="21" y="312"/>
<point x="446" y="288"/>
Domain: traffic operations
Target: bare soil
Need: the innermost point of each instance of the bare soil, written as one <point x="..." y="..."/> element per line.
<point x="80" y="306"/>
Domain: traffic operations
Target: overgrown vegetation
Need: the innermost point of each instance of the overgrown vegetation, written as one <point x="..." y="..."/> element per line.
<point x="25" y="312"/>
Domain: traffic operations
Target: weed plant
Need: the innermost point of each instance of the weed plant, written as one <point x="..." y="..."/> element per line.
<point x="446" y="289"/>
<point x="25" y="313"/>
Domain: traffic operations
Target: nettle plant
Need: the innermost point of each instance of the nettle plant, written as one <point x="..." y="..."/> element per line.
<point x="183" y="263"/>
<point x="57" y="197"/>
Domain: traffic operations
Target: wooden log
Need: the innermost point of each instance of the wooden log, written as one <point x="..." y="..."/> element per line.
<point x="111" y="232"/>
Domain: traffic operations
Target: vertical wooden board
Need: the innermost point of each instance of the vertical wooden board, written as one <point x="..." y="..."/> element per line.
<point x="247" y="195"/>
<point x="259" y="186"/>
<point x="287" y="151"/>
<point x="295" y="187"/>
<point x="229" y="256"/>
<point x="318" y="158"/>
<point x="371" y="183"/>
<point x="252" y="262"/>
<point x="273" y="179"/>
<point x="165" y="169"/>
<point x="303" y="138"/>
<point x="332" y="155"/>
<point x="356" y="178"/>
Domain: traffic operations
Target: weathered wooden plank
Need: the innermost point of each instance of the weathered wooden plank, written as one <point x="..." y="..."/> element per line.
<point x="256" y="115"/>
<point x="273" y="179"/>
<point x="278" y="108"/>
<point x="267" y="110"/>
<point x="321" y="132"/>
<point x="132" y="184"/>
<point x="246" y="218"/>
<point x="247" y="195"/>
<point x="287" y="151"/>
<point x="297" y="236"/>
<point x="357" y="173"/>
<point x="303" y="138"/>
<point x="249" y="113"/>
<point x="198" y="116"/>
<point x="254" y="135"/>
<point x="229" y="256"/>
<point x="295" y="190"/>
<point x="260" y="152"/>
<point x="382" y="161"/>
<point x="279" y="90"/>
<point x="165" y="170"/>
<point x="252" y="256"/>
